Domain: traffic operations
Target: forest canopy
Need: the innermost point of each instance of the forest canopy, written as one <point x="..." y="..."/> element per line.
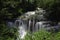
<point x="10" y="9"/>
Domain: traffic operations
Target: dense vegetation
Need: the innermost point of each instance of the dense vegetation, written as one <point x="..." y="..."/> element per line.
<point x="43" y="35"/>
<point x="11" y="9"/>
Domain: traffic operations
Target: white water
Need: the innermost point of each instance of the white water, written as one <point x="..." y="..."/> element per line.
<point x="22" y="28"/>
<point x="42" y="25"/>
<point x="22" y="32"/>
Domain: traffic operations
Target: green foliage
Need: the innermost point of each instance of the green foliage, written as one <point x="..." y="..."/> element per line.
<point x="40" y="35"/>
<point x="44" y="3"/>
<point x="7" y="33"/>
<point x="57" y="36"/>
<point x="43" y="35"/>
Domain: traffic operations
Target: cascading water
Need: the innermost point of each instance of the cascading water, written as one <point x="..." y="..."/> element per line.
<point x="42" y="25"/>
<point x="22" y="29"/>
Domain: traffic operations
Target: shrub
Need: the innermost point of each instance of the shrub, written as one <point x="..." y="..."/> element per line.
<point x="43" y="35"/>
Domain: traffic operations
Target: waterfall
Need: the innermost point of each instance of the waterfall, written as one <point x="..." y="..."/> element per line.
<point x="26" y="23"/>
<point x="22" y="28"/>
<point x="32" y="25"/>
<point x="42" y="25"/>
<point x="29" y="24"/>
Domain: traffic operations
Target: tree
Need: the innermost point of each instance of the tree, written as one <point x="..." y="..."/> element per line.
<point x="9" y="11"/>
<point x="53" y="11"/>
